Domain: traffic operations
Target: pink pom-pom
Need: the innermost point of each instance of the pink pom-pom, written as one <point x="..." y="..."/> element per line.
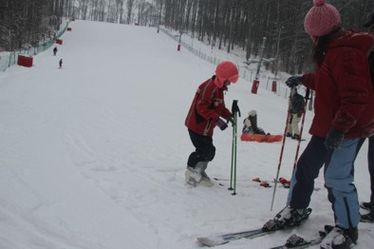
<point x="318" y="3"/>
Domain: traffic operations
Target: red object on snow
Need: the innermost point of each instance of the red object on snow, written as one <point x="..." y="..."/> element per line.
<point x="274" y="86"/>
<point x="265" y="184"/>
<point x="257" y="179"/>
<point x="25" y="61"/>
<point x="68" y="29"/>
<point x="179" y="47"/>
<point x="59" y="41"/>
<point x="260" y="138"/>
<point x="262" y="182"/>
<point x="286" y="183"/>
<point x="255" y="85"/>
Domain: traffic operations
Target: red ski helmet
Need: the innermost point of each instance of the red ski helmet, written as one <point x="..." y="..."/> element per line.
<point x="226" y="70"/>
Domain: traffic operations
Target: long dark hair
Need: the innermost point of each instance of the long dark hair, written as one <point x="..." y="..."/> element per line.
<point x="320" y="48"/>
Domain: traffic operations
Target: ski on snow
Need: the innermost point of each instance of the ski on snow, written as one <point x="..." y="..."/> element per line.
<point x="220" y="239"/>
<point x="293" y="242"/>
<point x="297" y="242"/>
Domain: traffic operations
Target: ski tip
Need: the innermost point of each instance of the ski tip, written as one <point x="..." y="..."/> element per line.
<point x="204" y="241"/>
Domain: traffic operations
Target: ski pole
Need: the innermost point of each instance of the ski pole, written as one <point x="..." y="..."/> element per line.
<point x="235" y="111"/>
<point x="236" y="151"/>
<point x="307" y="92"/>
<point x="232" y="158"/>
<point x="281" y="151"/>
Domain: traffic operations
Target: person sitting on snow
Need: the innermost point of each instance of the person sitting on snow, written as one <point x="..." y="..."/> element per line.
<point x="250" y="124"/>
<point x="296" y="109"/>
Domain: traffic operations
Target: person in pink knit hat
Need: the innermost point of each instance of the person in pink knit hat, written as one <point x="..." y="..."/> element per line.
<point x="344" y="114"/>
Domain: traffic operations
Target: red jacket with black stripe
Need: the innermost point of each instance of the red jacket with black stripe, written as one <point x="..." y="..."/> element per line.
<point x="207" y="106"/>
<point x="344" y="93"/>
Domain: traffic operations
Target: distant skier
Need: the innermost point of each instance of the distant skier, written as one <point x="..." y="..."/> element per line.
<point x="60" y="63"/>
<point x="55" y="51"/>
<point x="206" y="109"/>
<point x="250" y="124"/>
<point x="296" y="108"/>
<point x="344" y="100"/>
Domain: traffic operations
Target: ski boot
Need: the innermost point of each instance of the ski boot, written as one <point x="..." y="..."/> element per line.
<point x="192" y="176"/>
<point x="287" y="217"/>
<point x="339" y="238"/>
<point x="367" y="205"/>
<point x="197" y="175"/>
<point x="205" y="180"/>
<point x="369" y="217"/>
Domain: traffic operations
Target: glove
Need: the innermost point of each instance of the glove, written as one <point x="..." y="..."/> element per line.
<point x="333" y="139"/>
<point x="231" y="120"/>
<point x="221" y="124"/>
<point x="294" y="81"/>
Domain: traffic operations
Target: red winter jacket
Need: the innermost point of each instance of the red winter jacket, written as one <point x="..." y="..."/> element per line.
<point x="207" y="106"/>
<point x="344" y="92"/>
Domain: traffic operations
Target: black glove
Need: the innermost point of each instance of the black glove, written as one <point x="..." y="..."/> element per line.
<point x="221" y="124"/>
<point x="231" y="119"/>
<point x="333" y="139"/>
<point x="294" y="81"/>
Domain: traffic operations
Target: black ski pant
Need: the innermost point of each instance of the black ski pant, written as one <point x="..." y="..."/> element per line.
<point x="371" y="166"/>
<point x="204" y="149"/>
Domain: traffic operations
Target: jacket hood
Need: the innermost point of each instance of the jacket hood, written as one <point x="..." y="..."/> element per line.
<point x="361" y="41"/>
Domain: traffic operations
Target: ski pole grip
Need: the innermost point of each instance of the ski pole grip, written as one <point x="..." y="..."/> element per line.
<point x="235" y="107"/>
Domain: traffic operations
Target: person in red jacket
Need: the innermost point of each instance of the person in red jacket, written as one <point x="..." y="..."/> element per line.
<point x="205" y="113"/>
<point x="344" y="113"/>
<point x="369" y="217"/>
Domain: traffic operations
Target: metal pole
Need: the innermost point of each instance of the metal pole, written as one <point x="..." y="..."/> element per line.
<point x="301" y="130"/>
<point x="232" y="159"/>
<point x="235" y="111"/>
<point x="235" y="151"/>
<point x="261" y="58"/>
<point x="281" y="155"/>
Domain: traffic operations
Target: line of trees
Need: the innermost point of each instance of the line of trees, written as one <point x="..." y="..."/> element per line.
<point x="115" y="11"/>
<point x="26" y="23"/>
<point x="225" y="24"/>
<point x="242" y="24"/>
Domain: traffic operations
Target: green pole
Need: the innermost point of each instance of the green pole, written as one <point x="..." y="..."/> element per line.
<point x="235" y="151"/>
<point x="232" y="158"/>
<point x="235" y="111"/>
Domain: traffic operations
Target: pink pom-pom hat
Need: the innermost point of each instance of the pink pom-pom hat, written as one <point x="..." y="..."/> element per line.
<point x="321" y="19"/>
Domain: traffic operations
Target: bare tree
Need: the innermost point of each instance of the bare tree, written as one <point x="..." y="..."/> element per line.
<point x="24" y="24"/>
<point x="244" y="23"/>
<point x="130" y="5"/>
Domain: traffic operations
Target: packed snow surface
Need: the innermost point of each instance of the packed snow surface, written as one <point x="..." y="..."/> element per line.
<point x="92" y="155"/>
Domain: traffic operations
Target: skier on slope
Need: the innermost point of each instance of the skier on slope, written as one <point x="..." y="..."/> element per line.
<point x="343" y="114"/>
<point x="204" y="114"/>
<point x="296" y="109"/>
<point x="369" y="217"/>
